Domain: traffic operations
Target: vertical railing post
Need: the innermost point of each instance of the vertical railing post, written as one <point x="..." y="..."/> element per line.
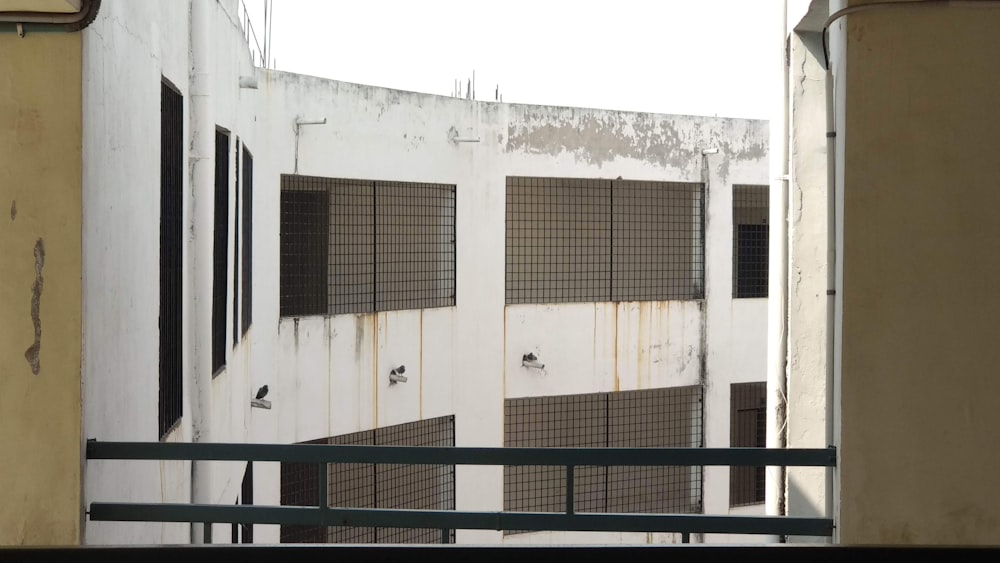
<point x="207" y="532"/>
<point x="569" y="489"/>
<point x="445" y="535"/>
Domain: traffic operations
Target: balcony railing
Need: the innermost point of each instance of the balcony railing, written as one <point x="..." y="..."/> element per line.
<point x="570" y="520"/>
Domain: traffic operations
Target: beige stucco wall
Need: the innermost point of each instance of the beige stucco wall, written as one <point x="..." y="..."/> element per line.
<point x="921" y="310"/>
<point x="40" y="116"/>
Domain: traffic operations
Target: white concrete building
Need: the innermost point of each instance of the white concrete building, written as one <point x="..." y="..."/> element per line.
<point x="241" y="134"/>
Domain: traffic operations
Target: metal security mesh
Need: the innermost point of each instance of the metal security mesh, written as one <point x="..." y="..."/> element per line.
<point x="558" y="240"/>
<point x="373" y="246"/>
<point x="747" y="429"/>
<point x="246" y="313"/>
<point x="305" y="235"/>
<point x="670" y="417"/>
<point x="367" y="485"/>
<point x="658" y="241"/>
<point x="414" y="246"/>
<point x="750" y="240"/>
<point x="171" y="255"/>
<point x="220" y="258"/>
<point x="577" y="240"/>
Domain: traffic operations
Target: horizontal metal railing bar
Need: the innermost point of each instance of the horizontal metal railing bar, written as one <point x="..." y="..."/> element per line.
<point x="461" y="553"/>
<point x="320" y="453"/>
<point x="403" y="518"/>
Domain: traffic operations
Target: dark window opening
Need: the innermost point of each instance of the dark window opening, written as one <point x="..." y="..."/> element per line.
<point x="358" y="246"/>
<point x="171" y="256"/>
<point x="380" y="485"/>
<point x="247" y="310"/>
<point x="750" y="241"/>
<point x="577" y="240"/>
<point x="236" y="247"/>
<point x="220" y="251"/>
<point x="668" y="417"/>
<point x="747" y="429"/>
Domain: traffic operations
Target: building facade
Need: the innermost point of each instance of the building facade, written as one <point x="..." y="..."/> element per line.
<point x="377" y="259"/>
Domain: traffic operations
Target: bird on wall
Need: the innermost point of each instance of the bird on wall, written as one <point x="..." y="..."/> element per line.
<point x="262" y="392"/>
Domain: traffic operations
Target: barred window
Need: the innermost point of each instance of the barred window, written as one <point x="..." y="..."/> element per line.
<point x="247" y="310"/>
<point x="747" y="429"/>
<point x="220" y="251"/>
<point x="578" y="240"/>
<point x="669" y="417"/>
<point x="359" y="246"/>
<point x="750" y="240"/>
<point x="236" y="247"/>
<point x="376" y="485"/>
<point x="171" y="320"/>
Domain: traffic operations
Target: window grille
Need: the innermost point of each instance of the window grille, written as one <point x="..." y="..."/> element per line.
<point x="658" y="241"/>
<point x="247" y="309"/>
<point x="750" y="240"/>
<point x="747" y="429"/>
<point x="171" y="322"/>
<point x="220" y="251"/>
<point x="578" y="240"/>
<point x="358" y="246"/>
<point x="670" y="417"/>
<point x="381" y="485"/>
<point x="236" y="246"/>
<point x="558" y="240"/>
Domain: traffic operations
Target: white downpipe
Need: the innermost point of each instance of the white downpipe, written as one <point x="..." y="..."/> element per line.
<point x="777" y="318"/>
<point x="200" y="247"/>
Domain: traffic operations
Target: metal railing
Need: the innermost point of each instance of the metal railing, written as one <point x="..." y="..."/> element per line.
<point x="570" y="520"/>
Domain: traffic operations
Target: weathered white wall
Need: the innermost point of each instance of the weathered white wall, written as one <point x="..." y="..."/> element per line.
<point x="127" y="50"/>
<point x="329" y="375"/>
<point x="807" y="310"/>
<point x="466" y="359"/>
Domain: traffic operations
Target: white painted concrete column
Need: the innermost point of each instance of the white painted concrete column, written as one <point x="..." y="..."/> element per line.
<point x="199" y="248"/>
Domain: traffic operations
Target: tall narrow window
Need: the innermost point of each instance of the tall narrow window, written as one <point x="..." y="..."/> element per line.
<point x="236" y="248"/>
<point x="171" y="255"/>
<point x="221" y="256"/>
<point x="750" y="241"/>
<point x="247" y="309"/>
<point x="747" y="429"/>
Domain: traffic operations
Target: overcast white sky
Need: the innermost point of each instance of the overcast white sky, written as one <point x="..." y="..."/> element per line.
<point x="698" y="57"/>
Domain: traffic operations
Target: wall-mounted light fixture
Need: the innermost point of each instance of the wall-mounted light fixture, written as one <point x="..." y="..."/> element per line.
<point x="712" y="150"/>
<point x="396" y="375"/>
<point x="529" y="360"/>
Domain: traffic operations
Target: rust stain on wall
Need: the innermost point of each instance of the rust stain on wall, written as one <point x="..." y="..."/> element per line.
<point x="13" y="209"/>
<point x="33" y="351"/>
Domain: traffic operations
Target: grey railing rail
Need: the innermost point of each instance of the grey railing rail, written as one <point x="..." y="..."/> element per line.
<point x="323" y="515"/>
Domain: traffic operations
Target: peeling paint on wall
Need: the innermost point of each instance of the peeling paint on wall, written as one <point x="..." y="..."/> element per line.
<point x="599" y="137"/>
<point x="33" y="351"/>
